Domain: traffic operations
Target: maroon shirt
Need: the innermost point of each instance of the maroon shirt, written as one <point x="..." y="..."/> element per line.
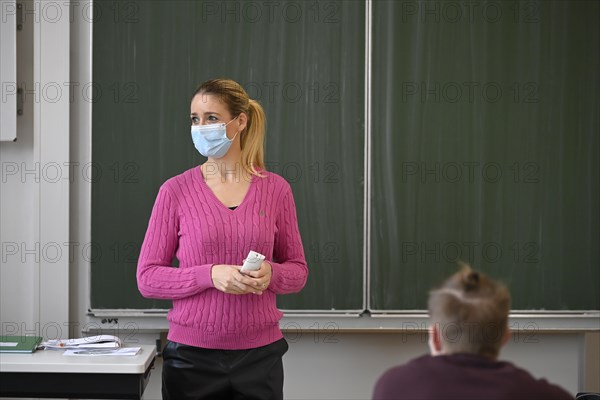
<point x="463" y="376"/>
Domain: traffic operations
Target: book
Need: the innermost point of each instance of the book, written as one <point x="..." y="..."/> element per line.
<point x="106" y="342"/>
<point x="19" y="344"/>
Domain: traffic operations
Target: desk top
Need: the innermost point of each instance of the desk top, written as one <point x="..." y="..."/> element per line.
<point x="53" y="361"/>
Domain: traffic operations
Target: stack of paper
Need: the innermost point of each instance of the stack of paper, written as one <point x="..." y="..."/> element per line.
<point x="106" y="342"/>
<point x="100" y="345"/>
<point x="123" y="351"/>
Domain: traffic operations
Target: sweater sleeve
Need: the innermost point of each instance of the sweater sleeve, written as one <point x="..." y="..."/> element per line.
<point x="156" y="278"/>
<point x="288" y="265"/>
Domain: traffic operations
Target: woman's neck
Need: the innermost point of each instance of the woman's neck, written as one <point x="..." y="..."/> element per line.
<point x="225" y="169"/>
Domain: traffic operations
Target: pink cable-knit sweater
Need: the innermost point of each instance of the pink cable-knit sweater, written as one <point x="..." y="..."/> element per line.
<point x="190" y="223"/>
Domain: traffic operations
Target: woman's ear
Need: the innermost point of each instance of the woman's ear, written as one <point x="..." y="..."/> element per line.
<point x="242" y="121"/>
<point x="435" y="340"/>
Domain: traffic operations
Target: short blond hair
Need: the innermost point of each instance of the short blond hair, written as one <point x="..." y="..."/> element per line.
<point x="471" y="313"/>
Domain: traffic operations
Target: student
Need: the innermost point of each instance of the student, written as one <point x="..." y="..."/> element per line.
<point x="469" y="324"/>
<point x="224" y="340"/>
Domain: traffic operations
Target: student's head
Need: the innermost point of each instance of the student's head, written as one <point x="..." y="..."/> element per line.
<point x="231" y="99"/>
<point x="469" y="314"/>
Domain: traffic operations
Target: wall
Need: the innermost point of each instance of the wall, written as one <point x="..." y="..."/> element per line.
<point x="315" y="369"/>
<point x="34" y="201"/>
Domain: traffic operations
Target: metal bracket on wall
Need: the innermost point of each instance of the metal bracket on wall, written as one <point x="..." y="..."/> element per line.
<point x="19" y="101"/>
<point x="19" y="16"/>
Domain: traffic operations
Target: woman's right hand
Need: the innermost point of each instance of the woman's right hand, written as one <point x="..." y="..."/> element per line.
<point x="229" y="279"/>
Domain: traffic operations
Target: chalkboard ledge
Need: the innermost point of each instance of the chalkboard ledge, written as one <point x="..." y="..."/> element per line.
<point x="408" y="322"/>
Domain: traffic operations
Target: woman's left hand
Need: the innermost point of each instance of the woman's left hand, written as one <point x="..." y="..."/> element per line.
<point x="262" y="276"/>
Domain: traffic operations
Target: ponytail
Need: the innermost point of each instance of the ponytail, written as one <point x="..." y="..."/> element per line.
<point x="252" y="139"/>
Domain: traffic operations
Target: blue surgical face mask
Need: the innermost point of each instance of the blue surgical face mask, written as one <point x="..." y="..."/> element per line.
<point x="211" y="140"/>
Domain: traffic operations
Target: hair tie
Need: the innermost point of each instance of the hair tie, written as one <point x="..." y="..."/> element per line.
<point x="472" y="280"/>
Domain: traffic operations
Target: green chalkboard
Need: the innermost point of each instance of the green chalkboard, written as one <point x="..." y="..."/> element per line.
<point x="484" y="139"/>
<point x="485" y="148"/>
<point x="304" y="61"/>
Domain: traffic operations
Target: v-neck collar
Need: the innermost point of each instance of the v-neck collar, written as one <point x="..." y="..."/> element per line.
<point x="198" y="175"/>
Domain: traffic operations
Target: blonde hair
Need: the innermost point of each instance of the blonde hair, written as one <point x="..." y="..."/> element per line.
<point x="472" y="312"/>
<point x="237" y="101"/>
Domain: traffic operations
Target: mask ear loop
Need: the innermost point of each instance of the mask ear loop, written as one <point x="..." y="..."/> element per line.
<point x="233" y="138"/>
<point x="231" y="120"/>
<point x="236" y="133"/>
